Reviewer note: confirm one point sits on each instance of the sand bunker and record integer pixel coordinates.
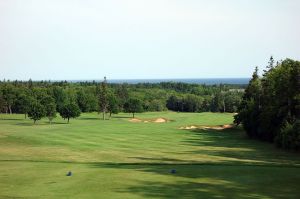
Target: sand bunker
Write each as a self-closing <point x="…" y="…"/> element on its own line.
<point x="135" y="120"/>
<point x="160" y="120"/>
<point x="155" y="120"/>
<point x="189" y="127"/>
<point x="220" y="127"/>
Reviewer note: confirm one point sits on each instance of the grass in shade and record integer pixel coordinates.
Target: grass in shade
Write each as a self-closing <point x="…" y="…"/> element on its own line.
<point x="121" y="159"/>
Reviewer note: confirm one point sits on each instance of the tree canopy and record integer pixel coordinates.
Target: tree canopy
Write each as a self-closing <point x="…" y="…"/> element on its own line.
<point x="69" y="110"/>
<point x="133" y="106"/>
<point x="36" y="111"/>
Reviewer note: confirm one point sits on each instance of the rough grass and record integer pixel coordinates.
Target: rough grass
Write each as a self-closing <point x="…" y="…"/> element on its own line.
<point x="120" y="159"/>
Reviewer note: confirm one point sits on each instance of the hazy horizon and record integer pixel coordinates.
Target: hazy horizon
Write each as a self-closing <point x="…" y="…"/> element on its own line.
<point x="136" y="39"/>
<point x="116" y="79"/>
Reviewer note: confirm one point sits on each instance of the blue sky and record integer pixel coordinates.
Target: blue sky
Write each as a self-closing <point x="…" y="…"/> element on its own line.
<point x="129" y="39"/>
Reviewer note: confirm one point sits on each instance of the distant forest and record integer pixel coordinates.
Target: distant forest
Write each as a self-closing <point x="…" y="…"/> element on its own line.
<point x="18" y="96"/>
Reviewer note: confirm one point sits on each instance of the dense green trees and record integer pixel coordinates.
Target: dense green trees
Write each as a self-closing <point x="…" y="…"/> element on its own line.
<point x="60" y="96"/>
<point x="23" y="97"/>
<point x="155" y="105"/>
<point x="113" y="104"/>
<point x="9" y="95"/>
<point x="270" y="108"/>
<point x="104" y="97"/>
<point x="50" y="111"/>
<point x="2" y="104"/>
<point x="23" y="103"/>
<point x="86" y="100"/>
<point x="222" y="101"/>
<point x="122" y="95"/>
<point x="185" y="103"/>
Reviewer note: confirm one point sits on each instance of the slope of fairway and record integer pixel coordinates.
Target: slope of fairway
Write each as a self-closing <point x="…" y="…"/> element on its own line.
<point x="117" y="158"/>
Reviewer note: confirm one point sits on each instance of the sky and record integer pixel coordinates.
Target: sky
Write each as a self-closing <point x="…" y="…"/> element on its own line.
<point x="138" y="39"/>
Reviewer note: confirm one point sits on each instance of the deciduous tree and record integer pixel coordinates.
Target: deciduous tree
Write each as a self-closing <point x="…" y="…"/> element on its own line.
<point x="133" y="106"/>
<point x="70" y="110"/>
<point x="36" y="111"/>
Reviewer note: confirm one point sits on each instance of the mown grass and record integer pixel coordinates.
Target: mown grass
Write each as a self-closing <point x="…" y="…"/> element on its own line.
<point x="119" y="159"/>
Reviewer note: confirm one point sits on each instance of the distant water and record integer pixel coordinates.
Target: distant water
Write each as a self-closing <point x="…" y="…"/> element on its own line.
<point x="207" y="81"/>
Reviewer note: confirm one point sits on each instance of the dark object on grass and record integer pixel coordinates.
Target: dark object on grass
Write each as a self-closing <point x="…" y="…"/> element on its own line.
<point x="69" y="173"/>
<point x="173" y="171"/>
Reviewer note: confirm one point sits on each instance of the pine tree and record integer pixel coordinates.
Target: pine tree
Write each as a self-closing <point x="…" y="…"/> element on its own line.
<point x="250" y="106"/>
<point x="102" y="98"/>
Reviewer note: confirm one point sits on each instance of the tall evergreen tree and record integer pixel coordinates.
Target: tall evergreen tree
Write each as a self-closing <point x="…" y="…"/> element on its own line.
<point x="250" y="106"/>
<point x="102" y="97"/>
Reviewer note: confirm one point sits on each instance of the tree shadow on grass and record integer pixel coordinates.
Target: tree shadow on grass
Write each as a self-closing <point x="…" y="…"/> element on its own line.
<point x="118" y="116"/>
<point x="13" y="119"/>
<point x="199" y="180"/>
<point x="248" y="169"/>
<point x="40" y="124"/>
<point x="194" y="180"/>
<point x="90" y="118"/>
<point x="178" y="189"/>
<point x="233" y="143"/>
<point x="162" y="160"/>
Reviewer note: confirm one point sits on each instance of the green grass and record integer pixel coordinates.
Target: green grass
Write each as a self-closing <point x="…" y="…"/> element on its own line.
<point x="119" y="159"/>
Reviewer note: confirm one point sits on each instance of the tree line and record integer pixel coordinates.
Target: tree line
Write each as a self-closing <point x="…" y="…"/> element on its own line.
<point x="270" y="107"/>
<point x="38" y="99"/>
